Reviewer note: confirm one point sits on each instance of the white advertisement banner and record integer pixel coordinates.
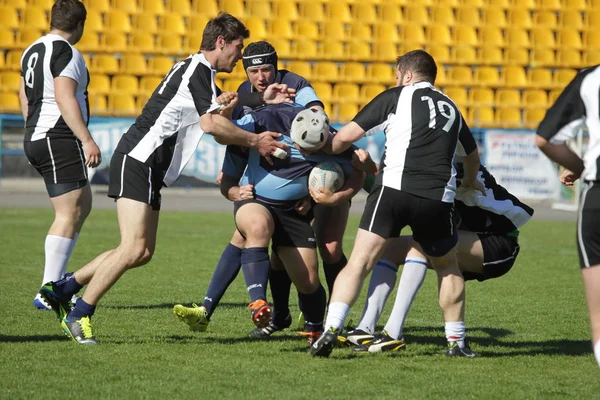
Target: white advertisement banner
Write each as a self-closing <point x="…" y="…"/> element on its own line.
<point x="518" y="165"/>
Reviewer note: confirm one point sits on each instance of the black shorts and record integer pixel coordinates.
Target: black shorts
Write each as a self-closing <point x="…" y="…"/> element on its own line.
<point x="58" y="160"/>
<point x="132" y="179"/>
<point x="588" y="226"/>
<point x="389" y="210"/>
<point x="291" y="228"/>
<point x="499" y="255"/>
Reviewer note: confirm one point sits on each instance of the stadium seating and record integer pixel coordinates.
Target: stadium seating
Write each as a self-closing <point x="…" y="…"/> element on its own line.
<point x="99" y="84"/>
<point x="121" y="104"/>
<point x="9" y="103"/>
<point x="8" y="17"/>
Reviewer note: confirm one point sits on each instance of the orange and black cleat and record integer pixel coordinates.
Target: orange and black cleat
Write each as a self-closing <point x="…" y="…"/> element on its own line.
<point x="261" y="313"/>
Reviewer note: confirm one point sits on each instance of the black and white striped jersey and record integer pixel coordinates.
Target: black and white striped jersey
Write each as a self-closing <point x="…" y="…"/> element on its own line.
<point x="497" y="212"/>
<point x="167" y="132"/>
<point x="577" y="106"/>
<point x="424" y="129"/>
<point x="49" y="57"/>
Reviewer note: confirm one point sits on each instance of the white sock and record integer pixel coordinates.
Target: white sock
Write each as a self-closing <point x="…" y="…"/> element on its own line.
<point x="597" y="351"/>
<point x="455" y="332"/>
<point x="381" y="285"/>
<point x="413" y="275"/>
<point x="58" y="249"/>
<point x="336" y="315"/>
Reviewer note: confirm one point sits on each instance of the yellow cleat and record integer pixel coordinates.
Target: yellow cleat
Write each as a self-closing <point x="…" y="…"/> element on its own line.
<point x="195" y="317"/>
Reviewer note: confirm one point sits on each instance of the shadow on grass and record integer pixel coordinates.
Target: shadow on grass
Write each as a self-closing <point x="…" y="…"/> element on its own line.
<point x="168" y="306"/>
<point x="35" y="338"/>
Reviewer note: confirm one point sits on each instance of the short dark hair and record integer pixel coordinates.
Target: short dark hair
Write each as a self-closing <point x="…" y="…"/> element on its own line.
<point x="225" y="25"/>
<point x="67" y="14"/>
<point x="418" y="62"/>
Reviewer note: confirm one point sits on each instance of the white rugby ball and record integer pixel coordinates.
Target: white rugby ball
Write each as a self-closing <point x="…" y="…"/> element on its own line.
<point x="328" y="175"/>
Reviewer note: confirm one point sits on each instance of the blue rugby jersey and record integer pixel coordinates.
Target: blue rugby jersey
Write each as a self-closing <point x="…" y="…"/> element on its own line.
<point x="285" y="182"/>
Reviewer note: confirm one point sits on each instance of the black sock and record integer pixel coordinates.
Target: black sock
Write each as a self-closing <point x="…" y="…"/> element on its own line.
<point x="67" y="286"/>
<point x="332" y="270"/>
<point x="255" y="266"/>
<point x="82" y="309"/>
<point x="313" y="307"/>
<point x="281" y="284"/>
<point x="227" y="269"/>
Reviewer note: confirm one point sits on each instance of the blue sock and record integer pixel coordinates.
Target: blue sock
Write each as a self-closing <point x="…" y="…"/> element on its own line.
<point x="256" y="265"/>
<point x="67" y="286"/>
<point x="280" y="284"/>
<point x="313" y="307"/>
<point x="82" y="309"/>
<point x="332" y="270"/>
<point x="227" y="269"/>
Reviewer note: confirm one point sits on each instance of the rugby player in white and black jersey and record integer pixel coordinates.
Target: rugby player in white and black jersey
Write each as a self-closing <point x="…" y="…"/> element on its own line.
<point x="578" y="106"/>
<point x="57" y="143"/>
<point x="424" y="129"/>
<point x="151" y="155"/>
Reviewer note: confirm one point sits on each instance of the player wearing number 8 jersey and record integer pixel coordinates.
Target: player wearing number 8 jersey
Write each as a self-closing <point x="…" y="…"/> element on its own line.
<point x="53" y="93"/>
<point x="416" y="187"/>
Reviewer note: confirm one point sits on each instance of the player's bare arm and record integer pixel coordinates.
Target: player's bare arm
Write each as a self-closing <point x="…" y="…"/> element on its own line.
<point x="471" y="164"/>
<point x="362" y="161"/>
<point x="342" y="140"/>
<point x="65" y="89"/>
<point x="352" y="185"/>
<point x="561" y="154"/>
<point x="229" y="100"/>
<point x="231" y="190"/>
<point x="23" y="99"/>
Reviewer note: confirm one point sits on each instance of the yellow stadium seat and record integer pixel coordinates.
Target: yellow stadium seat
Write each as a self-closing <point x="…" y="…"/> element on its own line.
<point x="115" y="42"/>
<point x="514" y="76"/>
<point x="93" y="22"/>
<point x="441" y="78"/>
<point x="127" y="6"/>
<point x="170" y="44"/>
<point x="416" y="13"/>
<point x="173" y="23"/>
<point x="465" y="35"/>
<point x="553" y="5"/>
<point x="494" y="16"/>
<point x="360" y="30"/>
<point x="593" y="4"/>
<point x="578" y="5"/>
<point x="413" y="34"/>
<point x="448" y="3"/>
<point x="353" y="72"/>
<point x="381" y="73"/>
<point x="323" y="90"/>
<point x="465" y="55"/>
<point x="535" y="98"/>
<point x="519" y="18"/>
<point x="282" y="28"/>
<point x="385" y="51"/>
<point x="7" y="39"/>
<point x="18" y="4"/>
<point x="481" y="117"/>
<point x="26" y="36"/>
<point x="359" y="51"/>
<point x="542" y="57"/>
<point x="346" y="93"/>
<point x="468" y="16"/>
<point x="192" y="43"/>
<point x="571" y="19"/>
<point x="542" y="37"/>
<point x="307" y="30"/>
<point x="509" y="117"/>
<point x="481" y="97"/>
<point x="90" y="41"/>
<point x="160" y="65"/>
<point x="326" y="71"/>
<point x="13" y="60"/>
<point x="365" y="13"/>
<point x="487" y="76"/>
<point x="347" y="112"/>
<point x="490" y="56"/>
<point x="545" y="18"/>
<point x="125" y="84"/>
<point x="118" y="21"/>
<point x="440" y="53"/>
<point x="196" y="24"/>
<point x="506" y="98"/>
<point x="282" y="46"/>
<point x="387" y="31"/>
<point x="458" y="95"/>
<point x="474" y="3"/>
<point x="333" y="49"/>
<point x="443" y="15"/>
<point x="257" y="27"/>
<point x="259" y="9"/>
<point x="232" y="85"/>
<point x="591" y="57"/>
<point x="205" y="7"/>
<point x="8" y="17"/>
<point x="301" y="68"/>
<point x="146" y="23"/>
<point x="525" y="4"/>
<point x="592" y="39"/>
<point x="369" y="91"/>
<point x="517" y="37"/>
<point x="313" y="11"/>
<point x="516" y="56"/>
<point x="3" y="63"/>
<point x="569" y="58"/>
<point x="554" y="94"/>
<point x="99" y="84"/>
<point x="10" y="81"/>
<point x="391" y="13"/>
<point x="149" y="83"/>
<point x="98" y="6"/>
<point x="334" y="30"/>
<point x="533" y="117"/>
<point x="569" y="39"/>
<point x="34" y="18"/>
<point x="491" y="36"/>
<point x="339" y="11"/>
<point x="153" y="6"/>
<point x="499" y="3"/>
<point x="305" y="49"/>
<point x="562" y="77"/>
<point x="439" y="34"/>
<point x="461" y="75"/>
<point x="134" y="64"/>
<point x="540" y="77"/>
<point x="121" y="104"/>
<point x="287" y="10"/>
<point x="9" y="103"/>
<point x="98" y="104"/>
<point x="181" y="7"/>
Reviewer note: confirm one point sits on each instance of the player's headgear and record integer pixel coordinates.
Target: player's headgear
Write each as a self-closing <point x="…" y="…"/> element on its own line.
<point x="310" y="129"/>
<point x="258" y="54"/>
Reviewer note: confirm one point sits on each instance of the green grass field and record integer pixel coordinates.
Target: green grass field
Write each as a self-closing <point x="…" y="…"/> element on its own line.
<point x="530" y="327"/>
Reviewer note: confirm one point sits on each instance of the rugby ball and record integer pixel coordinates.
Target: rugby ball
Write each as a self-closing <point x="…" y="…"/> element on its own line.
<point x="328" y="175"/>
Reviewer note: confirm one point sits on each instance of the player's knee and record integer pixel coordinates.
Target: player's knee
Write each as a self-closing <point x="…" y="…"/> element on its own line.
<point x="138" y="255"/>
<point x="259" y="230"/>
<point x="331" y="252"/>
<point x="309" y="285"/>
